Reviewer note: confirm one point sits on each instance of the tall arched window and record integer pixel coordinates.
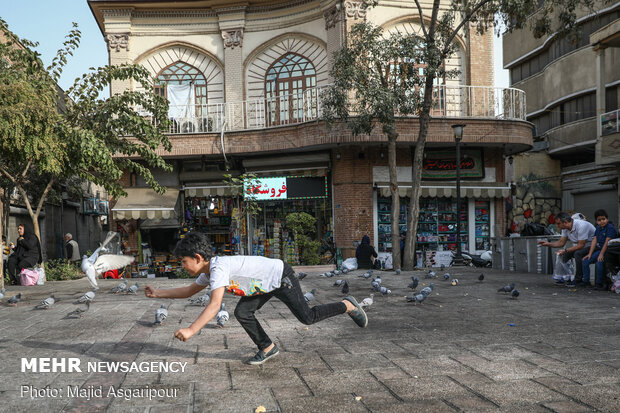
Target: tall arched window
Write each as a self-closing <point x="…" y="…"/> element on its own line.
<point x="285" y="83"/>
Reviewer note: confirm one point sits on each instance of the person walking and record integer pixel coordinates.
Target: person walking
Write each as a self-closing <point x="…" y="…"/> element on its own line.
<point x="27" y="254"/>
<point x="72" y="249"/>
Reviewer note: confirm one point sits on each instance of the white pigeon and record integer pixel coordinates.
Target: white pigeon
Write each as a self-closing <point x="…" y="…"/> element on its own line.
<point x="222" y="316"/>
<point x="86" y="298"/>
<point x="133" y="289"/>
<point x="203" y="300"/>
<point x="309" y="296"/>
<point x="47" y="303"/>
<point x="161" y="314"/>
<point x="121" y="287"/>
<point x="367" y="302"/>
<point x="2" y="293"/>
<point x="96" y="265"/>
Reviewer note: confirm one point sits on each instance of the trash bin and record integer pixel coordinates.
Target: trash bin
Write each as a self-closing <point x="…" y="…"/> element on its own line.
<point x="523" y="254"/>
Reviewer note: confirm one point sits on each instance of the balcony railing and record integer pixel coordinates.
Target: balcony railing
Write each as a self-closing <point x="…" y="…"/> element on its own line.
<point x="479" y="102"/>
<point x="609" y="122"/>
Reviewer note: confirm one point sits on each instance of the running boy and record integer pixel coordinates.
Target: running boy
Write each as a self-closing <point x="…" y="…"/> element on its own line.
<point x="603" y="233"/>
<point x="256" y="280"/>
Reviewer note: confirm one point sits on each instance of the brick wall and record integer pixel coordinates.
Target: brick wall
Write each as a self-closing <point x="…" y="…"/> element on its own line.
<point x="480" y="55"/>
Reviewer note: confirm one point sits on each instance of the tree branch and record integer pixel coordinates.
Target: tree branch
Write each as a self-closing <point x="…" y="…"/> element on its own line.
<point x="26" y="169"/>
<point x="44" y="194"/>
<point x="7" y="174"/>
<point x="421" y="14"/>
<point x="460" y="26"/>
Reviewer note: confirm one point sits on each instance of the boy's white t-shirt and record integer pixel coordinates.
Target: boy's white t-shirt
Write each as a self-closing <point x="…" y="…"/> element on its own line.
<point x="243" y="275"/>
<point x="582" y="230"/>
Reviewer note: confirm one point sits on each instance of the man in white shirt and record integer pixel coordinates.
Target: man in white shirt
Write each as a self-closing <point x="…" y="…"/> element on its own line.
<point x="256" y="280"/>
<point x="580" y="233"/>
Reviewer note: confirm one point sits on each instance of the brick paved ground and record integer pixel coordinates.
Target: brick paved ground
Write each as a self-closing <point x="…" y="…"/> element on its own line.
<point x="468" y="348"/>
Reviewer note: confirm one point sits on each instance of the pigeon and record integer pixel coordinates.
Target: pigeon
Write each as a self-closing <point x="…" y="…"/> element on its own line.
<point x="446" y="276"/>
<point x="47" y="303"/>
<point x="338" y="282"/>
<point x="336" y="272"/>
<point x="367" y="274"/>
<point x="121" y="287"/>
<point x="2" y="293"/>
<point x="384" y="291"/>
<point x="367" y="302"/>
<point x="345" y="270"/>
<point x="515" y="293"/>
<point x="455" y="281"/>
<point x="431" y="274"/>
<point x="15" y="299"/>
<point x="309" y="296"/>
<point x="95" y="264"/>
<point x="427" y="290"/>
<point x="376" y="284"/>
<point x="398" y="271"/>
<point x="203" y="300"/>
<point x="89" y="296"/>
<point x="301" y="275"/>
<point x="443" y="267"/>
<point x="418" y="298"/>
<point x="79" y="312"/>
<point x="222" y="316"/>
<point x="414" y="283"/>
<point x="481" y="277"/>
<point x="507" y="288"/>
<point x="330" y="274"/>
<point x="345" y="288"/>
<point x="161" y="314"/>
<point x="133" y="289"/>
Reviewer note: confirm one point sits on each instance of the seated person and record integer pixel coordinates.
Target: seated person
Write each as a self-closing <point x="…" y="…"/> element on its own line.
<point x="604" y="232"/>
<point x="364" y="253"/>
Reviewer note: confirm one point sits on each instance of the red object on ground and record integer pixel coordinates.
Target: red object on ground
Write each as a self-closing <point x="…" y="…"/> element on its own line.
<point x="527" y="213"/>
<point x="112" y="274"/>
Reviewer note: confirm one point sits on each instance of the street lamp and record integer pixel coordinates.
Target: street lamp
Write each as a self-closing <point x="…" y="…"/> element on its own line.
<point x="458" y="135"/>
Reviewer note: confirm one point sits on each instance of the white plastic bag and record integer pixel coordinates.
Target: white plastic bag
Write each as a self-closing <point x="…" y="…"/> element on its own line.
<point x="563" y="270"/>
<point x="41" y="272"/>
<point x="350" y="264"/>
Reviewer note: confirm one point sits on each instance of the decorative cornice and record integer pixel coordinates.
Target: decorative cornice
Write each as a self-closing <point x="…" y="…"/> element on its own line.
<point x="232" y="38"/>
<point x="116" y="13"/>
<point x="355" y="9"/>
<point x="164" y="14"/>
<point x="117" y="41"/>
<point x="332" y="16"/>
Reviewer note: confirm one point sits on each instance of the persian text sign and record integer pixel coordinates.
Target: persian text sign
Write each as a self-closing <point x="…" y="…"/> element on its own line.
<point x="442" y="164"/>
<point x="266" y="189"/>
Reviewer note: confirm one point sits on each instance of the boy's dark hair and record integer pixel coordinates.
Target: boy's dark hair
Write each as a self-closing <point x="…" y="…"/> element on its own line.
<point x="193" y="243"/>
<point x="563" y="217"/>
<point x="600" y="213"/>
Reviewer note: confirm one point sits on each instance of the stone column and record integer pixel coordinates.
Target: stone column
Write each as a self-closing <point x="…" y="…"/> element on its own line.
<point x="600" y="88"/>
<point x="117" y="34"/>
<point x="334" y="25"/>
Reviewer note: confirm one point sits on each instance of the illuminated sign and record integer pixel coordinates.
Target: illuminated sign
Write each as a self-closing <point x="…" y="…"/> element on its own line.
<point x="286" y="187"/>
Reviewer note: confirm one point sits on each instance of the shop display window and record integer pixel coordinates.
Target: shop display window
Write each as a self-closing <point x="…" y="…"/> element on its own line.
<point x="483" y="239"/>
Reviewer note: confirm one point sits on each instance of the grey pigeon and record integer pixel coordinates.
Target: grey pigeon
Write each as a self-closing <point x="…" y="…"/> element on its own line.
<point x="338" y="282"/>
<point x="443" y="267"/>
<point x="133" y="289"/>
<point x="367" y="274"/>
<point x="427" y="290"/>
<point x="222" y="316"/>
<point x="367" y="302"/>
<point x="431" y="274"/>
<point x="79" y="312"/>
<point x="481" y="277"/>
<point x="376" y="284"/>
<point x="301" y="275"/>
<point x="47" y="303"/>
<point x="515" y="293"/>
<point x="336" y="272"/>
<point x="345" y="270"/>
<point x="414" y="283"/>
<point x="384" y="291"/>
<point x="89" y="296"/>
<point x="345" y="288"/>
<point x="2" y="293"/>
<point x="15" y="299"/>
<point x="121" y="287"/>
<point x="161" y="314"/>
<point x="398" y="271"/>
<point x="330" y="274"/>
<point x="309" y="296"/>
<point x="418" y="298"/>
<point x="507" y="288"/>
<point x="203" y="300"/>
<point x="446" y="276"/>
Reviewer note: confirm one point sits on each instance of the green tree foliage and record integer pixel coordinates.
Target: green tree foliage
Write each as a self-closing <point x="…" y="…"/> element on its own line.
<point x="374" y="84"/>
<point x="303" y="225"/>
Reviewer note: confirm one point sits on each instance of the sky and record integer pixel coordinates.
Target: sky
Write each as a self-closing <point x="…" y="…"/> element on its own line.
<point x="49" y="21"/>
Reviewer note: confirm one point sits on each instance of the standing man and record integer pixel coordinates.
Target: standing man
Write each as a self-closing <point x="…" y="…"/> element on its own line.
<point x="27" y="254"/>
<point x="580" y="233"/>
<point x="72" y="249"/>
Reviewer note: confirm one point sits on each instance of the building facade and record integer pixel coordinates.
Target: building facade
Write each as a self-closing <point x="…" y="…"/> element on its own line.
<point x="244" y="85"/>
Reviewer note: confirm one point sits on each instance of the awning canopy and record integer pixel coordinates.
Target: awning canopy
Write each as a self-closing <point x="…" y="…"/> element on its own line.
<point x="160" y="223"/>
<point x="448" y="189"/>
<point x="144" y="203"/>
<point x="209" y="190"/>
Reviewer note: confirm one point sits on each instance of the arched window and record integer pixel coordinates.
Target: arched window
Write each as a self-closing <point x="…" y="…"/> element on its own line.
<point x="285" y="83"/>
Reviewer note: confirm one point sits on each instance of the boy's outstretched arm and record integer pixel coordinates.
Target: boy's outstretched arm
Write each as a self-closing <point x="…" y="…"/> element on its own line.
<point x="207" y="315"/>
<point x="179" y="292"/>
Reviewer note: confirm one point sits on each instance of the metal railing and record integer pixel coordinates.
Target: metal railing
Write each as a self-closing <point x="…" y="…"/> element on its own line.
<point x="479" y="102"/>
<point x="609" y="122"/>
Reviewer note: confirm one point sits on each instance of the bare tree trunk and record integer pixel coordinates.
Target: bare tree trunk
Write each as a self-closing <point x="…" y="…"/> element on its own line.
<point x="392" y="136"/>
<point x="1" y="249"/>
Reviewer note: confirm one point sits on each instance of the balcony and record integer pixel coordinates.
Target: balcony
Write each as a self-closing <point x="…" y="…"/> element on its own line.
<point x="609" y="122"/>
<point x="474" y="102"/>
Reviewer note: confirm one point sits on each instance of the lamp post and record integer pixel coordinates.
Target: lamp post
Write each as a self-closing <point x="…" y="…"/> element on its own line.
<point x="458" y="135"/>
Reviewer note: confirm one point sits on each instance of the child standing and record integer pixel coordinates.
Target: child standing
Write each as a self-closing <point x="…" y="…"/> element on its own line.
<point x="256" y="280"/>
<point x="603" y="233"/>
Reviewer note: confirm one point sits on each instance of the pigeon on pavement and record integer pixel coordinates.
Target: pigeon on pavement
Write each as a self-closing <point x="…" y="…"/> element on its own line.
<point x="121" y="287"/>
<point x="309" y="296"/>
<point x="2" y="293"/>
<point x="133" y="289"/>
<point x="161" y="314"/>
<point x="345" y="288"/>
<point x="384" y="290"/>
<point x="89" y="296"/>
<point x="79" y="312"/>
<point x="427" y="290"/>
<point x="443" y="267"/>
<point x="418" y="298"/>
<point x="47" y="303"/>
<point x="338" y="282"/>
<point x="455" y="281"/>
<point x="222" y="316"/>
<point x="367" y="302"/>
<point x="345" y="270"/>
<point x="431" y="274"/>
<point x="15" y="299"/>
<point x="301" y="275"/>
<point x="446" y="276"/>
<point x="507" y="288"/>
<point x="414" y="283"/>
<point x="515" y="293"/>
<point x="203" y="300"/>
<point x="367" y="274"/>
<point x="481" y="277"/>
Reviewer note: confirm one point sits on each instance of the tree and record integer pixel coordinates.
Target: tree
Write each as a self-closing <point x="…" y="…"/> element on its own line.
<point x="47" y="133"/>
<point x="373" y="99"/>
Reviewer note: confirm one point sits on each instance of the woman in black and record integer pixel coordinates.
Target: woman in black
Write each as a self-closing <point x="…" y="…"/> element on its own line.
<point x="364" y="253"/>
<point x="27" y="254"/>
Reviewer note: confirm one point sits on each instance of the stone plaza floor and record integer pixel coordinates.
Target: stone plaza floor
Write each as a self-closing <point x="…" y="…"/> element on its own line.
<point x="468" y="348"/>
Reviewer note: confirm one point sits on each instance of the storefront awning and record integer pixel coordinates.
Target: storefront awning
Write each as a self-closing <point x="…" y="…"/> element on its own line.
<point x="159" y="223"/>
<point x="215" y="190"/>
<point x="448" y="189"/>
<point x="144" y="203"/>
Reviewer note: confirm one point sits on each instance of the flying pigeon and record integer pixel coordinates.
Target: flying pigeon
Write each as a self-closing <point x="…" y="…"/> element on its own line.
<point x="121" y="287"/>
<point x="427" y="290"/>
<point x="345" y="288"/>
<point x="338" y="282"/>
<point x="507" y="288"/>
<point x="418" y="298"/>
<point x="133" y="289"/>
<point x="431" y="274"/>
<point x="309" y="296"/>
<point x="222" y="316"/>
<point x="15" y="299"/>
<point x="384" y="291"/>
<point x="481" y="277"/>
<point x="2" y="293"/>
<point x="203" y="300"/>
<point x="95" y="264"/>
<point x="414" y="283"/>
<point x="301" y="275"/>
<point x="161" y="314"/>
<point x="367" y="274"/>
<point x="47" y="303"/>
<point x="446" y="276"/>
<point x="79" y="312"/>
<point x="367" y="302"/>
<point x="89" y="296"/>
<point x="515" y="293"/>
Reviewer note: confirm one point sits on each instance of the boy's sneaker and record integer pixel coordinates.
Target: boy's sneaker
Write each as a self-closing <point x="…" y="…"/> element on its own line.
<point x="261" y="357"/>
<point x="571" y="284"/>
<point x="358" y="315"/>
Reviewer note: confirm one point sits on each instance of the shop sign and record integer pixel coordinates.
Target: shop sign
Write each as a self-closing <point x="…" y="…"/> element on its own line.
<point x="442" y="164"/>
<point x="287" y="187"/>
